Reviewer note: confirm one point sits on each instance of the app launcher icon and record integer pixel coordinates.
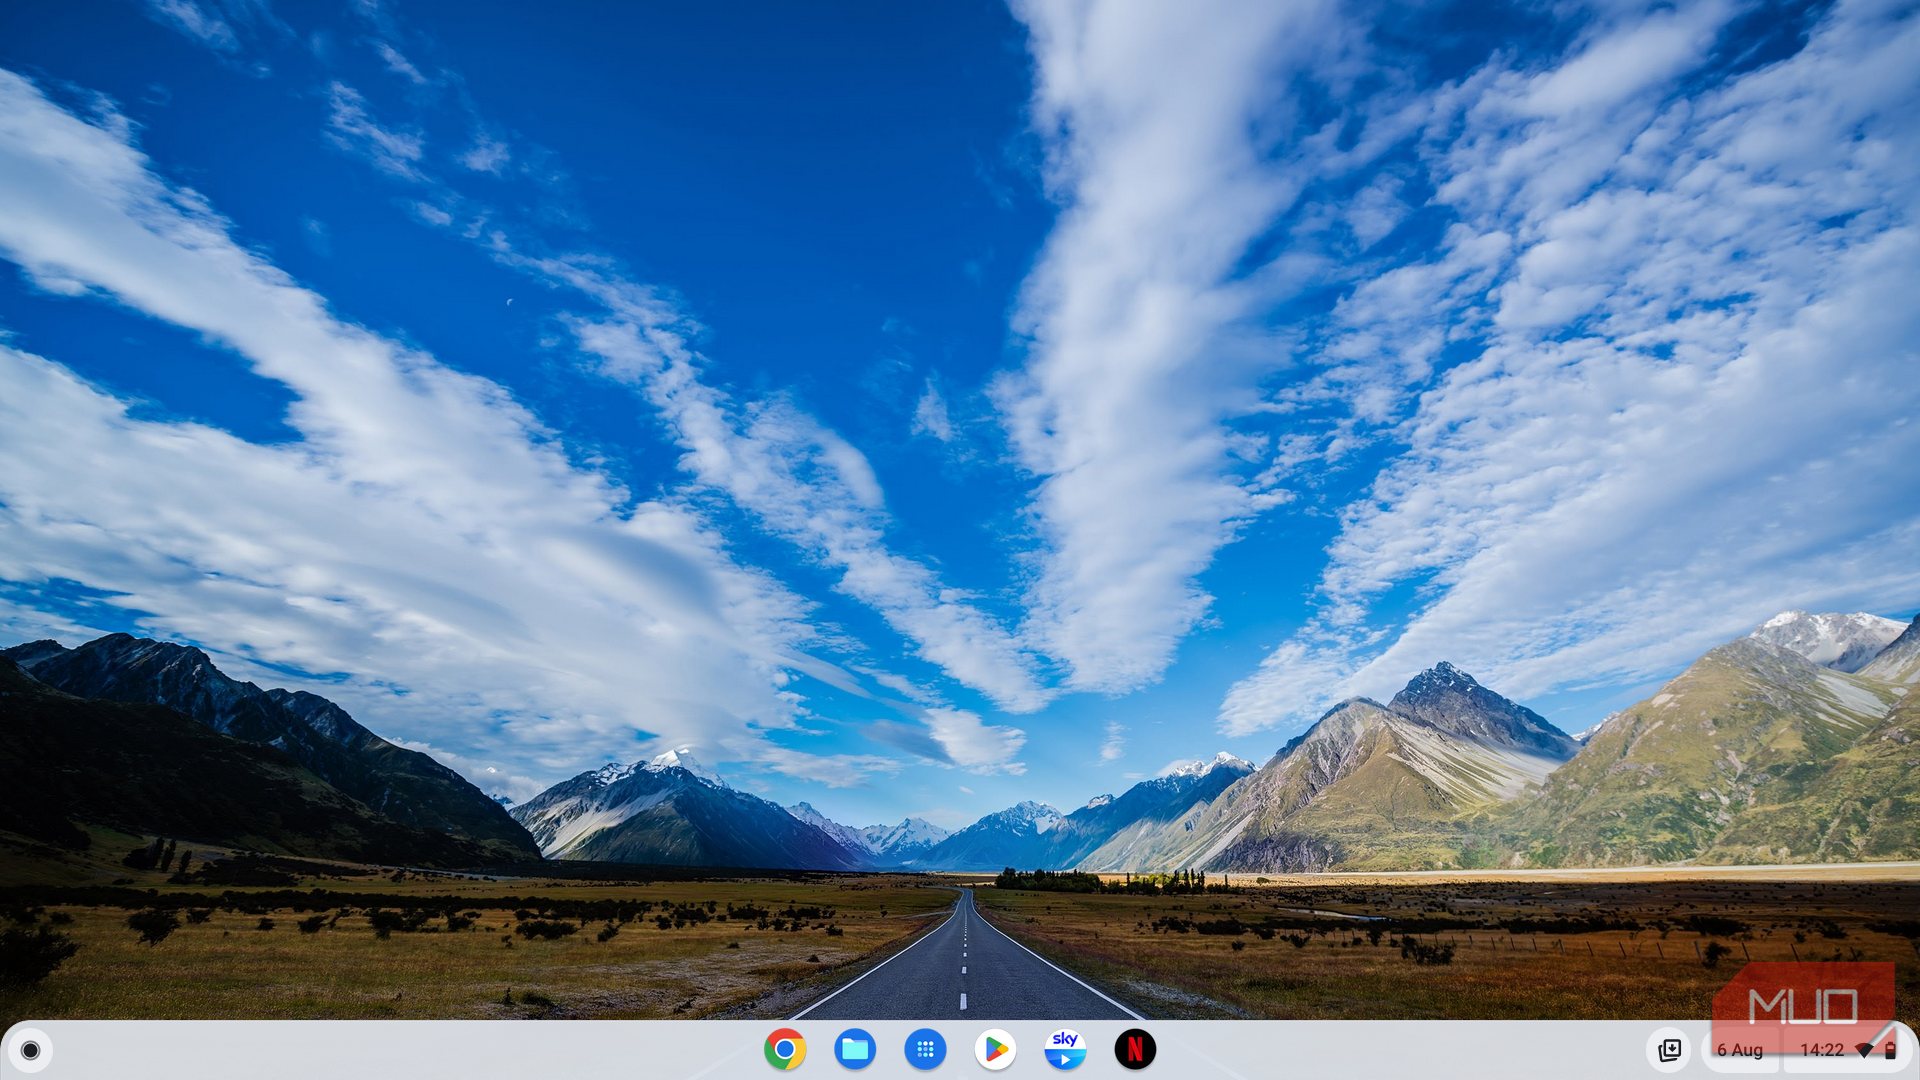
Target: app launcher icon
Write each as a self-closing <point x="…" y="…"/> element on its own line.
<point x="994" y="1049"/>
<point x="926" y="1049"/>
<point x="854" y="1048"/>
<point x="786" y="1049"/>
<point x="1065" y="1049"/>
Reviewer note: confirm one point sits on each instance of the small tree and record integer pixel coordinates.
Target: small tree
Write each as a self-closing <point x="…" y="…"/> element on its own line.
<point x="153" y="925"/>
<point x="28" y="956"/>
<point x="166" y="858"/>
<point x="186" y="862"/>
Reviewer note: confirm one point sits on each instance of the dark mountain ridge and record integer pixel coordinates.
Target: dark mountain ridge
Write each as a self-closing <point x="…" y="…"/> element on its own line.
<point x="405" y="785"/>
<point x="67" y="761"/>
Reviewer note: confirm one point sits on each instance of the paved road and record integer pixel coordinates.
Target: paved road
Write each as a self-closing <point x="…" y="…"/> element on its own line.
<point x="966" y="969"/>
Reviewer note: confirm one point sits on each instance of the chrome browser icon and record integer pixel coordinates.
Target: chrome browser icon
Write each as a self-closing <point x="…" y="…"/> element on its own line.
<point x="786" y="1049"/>
<point x="1065" y="1049"/>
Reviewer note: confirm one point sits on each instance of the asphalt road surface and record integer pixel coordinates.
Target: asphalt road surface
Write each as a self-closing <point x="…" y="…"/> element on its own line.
<point x="966" y="969"/>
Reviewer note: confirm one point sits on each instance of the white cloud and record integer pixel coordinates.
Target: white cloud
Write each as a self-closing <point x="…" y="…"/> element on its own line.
<point x="1159" y="123"/>
<point x="930" y="415"/>
<point x="488" y="154"/>
<point x="1692" y="403"/>
<point x="1114" y="747"/>
<point x="363" y="545"/>
<point x="805" y="483"/>
<point x="971" y="744"/>
<point x="196" y="22"/>
<point x="352" y="128"/>
<point x="399" y="64"/>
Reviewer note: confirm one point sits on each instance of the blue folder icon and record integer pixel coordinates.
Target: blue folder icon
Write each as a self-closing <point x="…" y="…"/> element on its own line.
<point x="856" y="1049"/>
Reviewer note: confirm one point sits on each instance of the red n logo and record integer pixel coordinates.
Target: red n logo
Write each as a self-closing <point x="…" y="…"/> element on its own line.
<point x="1136" y="1049"/>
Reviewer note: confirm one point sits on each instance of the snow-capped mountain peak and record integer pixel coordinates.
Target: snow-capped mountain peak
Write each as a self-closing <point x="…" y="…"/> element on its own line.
<point x="682" y="758"/>
<point x="1843" y="641"/>
<point x="1202" y="768"/>
<point x="612" y="773"/>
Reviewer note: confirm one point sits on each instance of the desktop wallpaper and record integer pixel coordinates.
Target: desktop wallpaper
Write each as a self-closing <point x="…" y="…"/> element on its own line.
<point x="573" y="510"/>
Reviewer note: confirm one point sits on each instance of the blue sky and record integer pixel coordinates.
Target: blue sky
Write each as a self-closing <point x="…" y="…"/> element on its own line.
<point x="919" y="408"/>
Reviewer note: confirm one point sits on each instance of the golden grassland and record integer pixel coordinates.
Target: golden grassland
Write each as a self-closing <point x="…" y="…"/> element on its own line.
<point x="1334" y="970"/>
<point x="227" y="967"/>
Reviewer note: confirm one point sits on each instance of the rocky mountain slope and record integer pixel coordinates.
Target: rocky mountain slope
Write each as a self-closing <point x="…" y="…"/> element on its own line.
<point x="1843" y="641"/>
<point x="884" y="845"/>
<point x="668" y="811"/>
<point x="1011" y="837"/>
<point x="404" y="785"/>
<point x="1369" y="785"/>
<point x="67" y="761"/>
<point x="1899" y="662"/>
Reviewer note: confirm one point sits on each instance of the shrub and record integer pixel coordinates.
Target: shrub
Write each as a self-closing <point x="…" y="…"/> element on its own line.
<point x="311" y="924"/>
<point x="265" y="924"/>
<point x="153" y="925"/>
<point x="607" y="933"/>
<point x="1710" y="957"/>
<point x="1425" y="954"/>
<point x="543" y="928"/>
<point x="196" y="916"/>
<point x="28" y="956"/>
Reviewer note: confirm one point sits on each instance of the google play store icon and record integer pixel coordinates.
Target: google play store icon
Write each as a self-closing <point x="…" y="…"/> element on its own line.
<point x="994" y="1049"/>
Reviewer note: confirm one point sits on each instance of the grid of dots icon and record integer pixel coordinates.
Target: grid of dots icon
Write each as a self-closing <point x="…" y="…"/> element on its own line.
<point x="923" y="1049"/>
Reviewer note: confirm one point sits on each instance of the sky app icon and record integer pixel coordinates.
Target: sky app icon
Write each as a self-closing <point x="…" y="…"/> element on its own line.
<point x="854" y="1048"/>
<point x="1065" y="1049"/>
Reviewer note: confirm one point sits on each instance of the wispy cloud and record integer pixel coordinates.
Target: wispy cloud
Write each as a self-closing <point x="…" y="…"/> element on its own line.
<point x="1158" y="122"/>
<point x="399" y="64"/>
<point x="1690" y="400"/>
<point x="1114" y="747"/>
<point x="353" y="129"/>
<point x="930" y="415"/>
<point x="425" y="533"/>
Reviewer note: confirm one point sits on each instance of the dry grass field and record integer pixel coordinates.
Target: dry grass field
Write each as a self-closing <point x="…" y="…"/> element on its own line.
<point x="1575" y="945"/>
<point x="1561" y="944"/>
<point x="791" y="934"/>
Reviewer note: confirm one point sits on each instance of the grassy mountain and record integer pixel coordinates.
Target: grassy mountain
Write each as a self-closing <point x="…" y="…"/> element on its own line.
<point x="669" y="812"/>
<point x="1749" y="729"/>
<point x="1371" y="786"/>
<point x="404" y="785"/>
<point x="147" y="769"/>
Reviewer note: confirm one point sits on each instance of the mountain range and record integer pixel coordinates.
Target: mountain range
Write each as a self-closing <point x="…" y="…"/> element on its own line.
<point x="1793" y="744"/>
<point x="402" y="786"/>
<point x="68" y="762"/>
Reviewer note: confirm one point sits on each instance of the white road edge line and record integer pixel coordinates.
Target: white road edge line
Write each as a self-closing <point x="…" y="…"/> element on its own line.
<point x="883" y="963"/>
<point x="1055" y="966"/>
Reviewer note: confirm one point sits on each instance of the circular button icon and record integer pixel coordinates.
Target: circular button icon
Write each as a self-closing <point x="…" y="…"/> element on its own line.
<point x="1135" y="1049"/>
<point x="926" y="1049"/>
<point x="786" y="1049"/>
<point x="1669" y="1050"/>
<point x="29" y="1050"/>
<point x="854" y="1048"/>
<point x="994" y="1049"/>
<point x="1065" y="1049"/>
